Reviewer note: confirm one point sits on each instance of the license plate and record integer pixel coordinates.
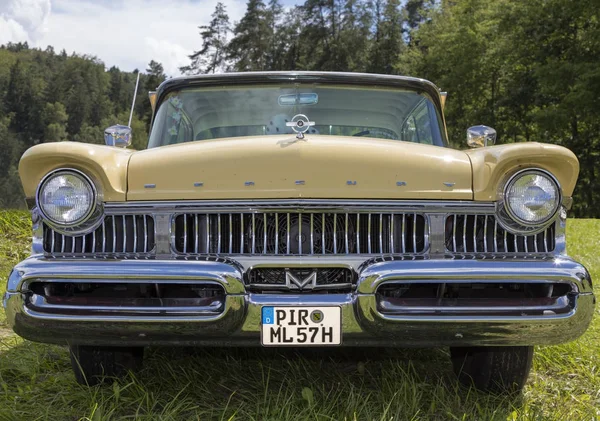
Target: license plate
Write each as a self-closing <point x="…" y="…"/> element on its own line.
<point x="301" y="326"/>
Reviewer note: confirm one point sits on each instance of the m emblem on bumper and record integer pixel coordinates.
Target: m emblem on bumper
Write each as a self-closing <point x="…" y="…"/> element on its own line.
<point x="294" y="282"/>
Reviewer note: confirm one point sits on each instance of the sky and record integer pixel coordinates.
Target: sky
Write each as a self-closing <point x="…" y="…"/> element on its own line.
<point x="123" y="33"/>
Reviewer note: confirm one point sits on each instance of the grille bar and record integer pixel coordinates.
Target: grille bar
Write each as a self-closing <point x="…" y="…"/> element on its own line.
<point x="294" y="233"/>
<point x="473" y="234"/>
<point x="117" y="234"/>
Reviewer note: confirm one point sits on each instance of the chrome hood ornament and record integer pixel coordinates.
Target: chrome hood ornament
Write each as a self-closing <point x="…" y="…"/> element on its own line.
<point x="300" y="125"/>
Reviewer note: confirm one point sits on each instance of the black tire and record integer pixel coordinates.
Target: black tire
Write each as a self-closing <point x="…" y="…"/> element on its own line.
<point x="91" y="364"/>
<point x="498" y="369"/>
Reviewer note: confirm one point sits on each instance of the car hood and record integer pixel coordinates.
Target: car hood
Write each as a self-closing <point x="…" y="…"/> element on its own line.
<point x="285" y="167"/>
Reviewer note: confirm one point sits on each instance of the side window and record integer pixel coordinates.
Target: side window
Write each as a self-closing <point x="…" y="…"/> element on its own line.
<point x="417" y="127"/>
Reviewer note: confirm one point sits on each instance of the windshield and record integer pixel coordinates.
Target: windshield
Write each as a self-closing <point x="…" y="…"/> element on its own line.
<point x="196" y="114"/>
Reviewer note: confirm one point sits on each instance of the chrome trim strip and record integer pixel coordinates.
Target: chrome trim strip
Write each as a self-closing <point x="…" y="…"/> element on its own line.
<point x="305" y="205"/>
<point x="114" y="234"/>
<point x="323" y="233"/>
<point x="392" y="233"/>
<point x="103" y="236"/>
<point x="485" y="236"/>
<point x="312" y="229"/>
<point x="369" y="234"/>
<point x="381" y="233"/>
<point x="230" y="233"/>
<point x="403" y="233"/>
<point x="346" y="234"/>
<point x="454" y="234"/>
<point x="124" y="234"/>
<point x="185" y="233"/>
<point x="208" y="234"/>
<point x="40" y="303"/>
<point x="265" y="233"/>
<point x="387" y="307"/>
<point x="358" y="234"/>
<point x="465" y="235"/>
<point x="253" y="234"/>
<point x="134" y="234"/>
<point x="219" y="233"/>
<point x="495" y="237"/>
<point x="300" y="222"/>
<point x="196" y="232"/>
<point x="276" y="233"/>
<point x="288" y="233"/>
<point x="475" y="234"/>
<point x="414" y="233"/>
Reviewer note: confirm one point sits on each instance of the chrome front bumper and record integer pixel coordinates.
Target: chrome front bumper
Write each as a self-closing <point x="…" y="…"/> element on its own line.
<point x="237" y="323"/>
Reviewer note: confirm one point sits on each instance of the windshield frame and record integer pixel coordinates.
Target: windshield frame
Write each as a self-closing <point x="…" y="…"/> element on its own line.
<point x="420" y="86"/>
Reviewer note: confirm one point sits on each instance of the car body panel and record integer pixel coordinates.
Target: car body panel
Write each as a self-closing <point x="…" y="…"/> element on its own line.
<point x="323" y="166"/>
<point x="105" y="165"/>
<point x="286" y="167"/>
<point x="491" y="166"/>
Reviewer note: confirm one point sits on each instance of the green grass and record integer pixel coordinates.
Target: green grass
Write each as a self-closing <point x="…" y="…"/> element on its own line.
<point x="258" y="384"/>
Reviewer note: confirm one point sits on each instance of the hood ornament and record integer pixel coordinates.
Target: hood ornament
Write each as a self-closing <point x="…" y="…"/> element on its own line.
<point x="300" y="125"/>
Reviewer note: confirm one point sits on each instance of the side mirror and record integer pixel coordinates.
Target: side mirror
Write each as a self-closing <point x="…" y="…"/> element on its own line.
<point x="118" y="135"/>
<point x="480" y="136"/>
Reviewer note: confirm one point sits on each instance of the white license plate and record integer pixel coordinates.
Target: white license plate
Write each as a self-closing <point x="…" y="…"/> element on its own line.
<point x="301" y="326"/>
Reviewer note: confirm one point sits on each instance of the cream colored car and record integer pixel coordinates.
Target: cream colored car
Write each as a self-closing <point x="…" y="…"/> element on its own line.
<point x="300" y="209"/>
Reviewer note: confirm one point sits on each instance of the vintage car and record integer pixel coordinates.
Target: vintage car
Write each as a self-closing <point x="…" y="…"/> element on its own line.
<point x="291" y="209"/>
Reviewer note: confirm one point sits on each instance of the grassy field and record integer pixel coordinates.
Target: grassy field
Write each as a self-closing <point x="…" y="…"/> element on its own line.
<point x="189" y="384"/>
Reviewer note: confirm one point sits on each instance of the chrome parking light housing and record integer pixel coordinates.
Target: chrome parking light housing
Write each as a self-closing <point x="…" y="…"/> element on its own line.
<point x="77" y="209"/>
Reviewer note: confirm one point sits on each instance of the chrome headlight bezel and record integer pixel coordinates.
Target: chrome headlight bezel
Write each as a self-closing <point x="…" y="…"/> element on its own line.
<point x="91" y="219"/>
<point x="509" y="220"/>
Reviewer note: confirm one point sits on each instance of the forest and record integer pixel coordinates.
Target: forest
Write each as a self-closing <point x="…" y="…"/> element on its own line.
<point x="528" y="68"/>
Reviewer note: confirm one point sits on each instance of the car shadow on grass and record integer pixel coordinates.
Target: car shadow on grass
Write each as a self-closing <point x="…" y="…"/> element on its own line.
<point x="255" y="383"/>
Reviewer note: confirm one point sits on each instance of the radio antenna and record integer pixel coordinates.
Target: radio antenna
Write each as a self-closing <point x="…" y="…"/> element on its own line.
<point x="134" y="96"/>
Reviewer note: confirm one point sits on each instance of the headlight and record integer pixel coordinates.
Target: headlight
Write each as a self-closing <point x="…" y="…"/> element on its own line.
<point x="532" y="198"/>
<point x="66" y="198"/>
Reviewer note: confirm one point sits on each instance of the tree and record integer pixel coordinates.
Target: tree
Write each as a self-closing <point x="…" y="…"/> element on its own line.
<point x="320" y="35"/>
<point x="354" y="38"/>
<point x="23" y="100"/>
<point x="155" y="75"/>
<point x="389" y="44"/>
<point x="277" y="44"/>
<point x="248" y="48"/>
<point x="416" y="12"/>
<point x="55" y="119"/>
<point x="211" y="58"/>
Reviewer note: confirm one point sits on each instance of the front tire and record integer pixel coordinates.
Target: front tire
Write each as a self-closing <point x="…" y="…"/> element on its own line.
<point x="498" y="369"/>
<point x="91" y="364"/>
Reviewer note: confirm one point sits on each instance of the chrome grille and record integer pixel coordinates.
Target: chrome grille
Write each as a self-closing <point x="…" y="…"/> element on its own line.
<point x="276" y="276"/>
<point x="117" y="234"/>
<point x="483" y="234"/>
<point x="286" y="233"/>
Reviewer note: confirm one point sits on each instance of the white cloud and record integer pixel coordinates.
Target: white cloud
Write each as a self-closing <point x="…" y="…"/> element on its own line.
<point x="22" y="20"/>
<point x="171" y="55"/>
<point x="124" y="33"/>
